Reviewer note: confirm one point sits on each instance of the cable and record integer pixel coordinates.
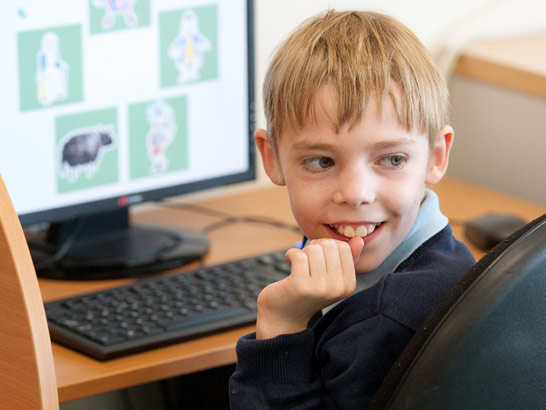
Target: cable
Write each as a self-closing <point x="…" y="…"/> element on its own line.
<point x="250" y="219"/>
<point x="228" y="219"/>
<point x="197" y="209"/>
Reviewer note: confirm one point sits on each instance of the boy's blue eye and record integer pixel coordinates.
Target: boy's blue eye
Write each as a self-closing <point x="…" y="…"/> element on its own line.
<point x="319" y="162"/>
<point x="325" y="162"/>
<point x="393" y="161"/>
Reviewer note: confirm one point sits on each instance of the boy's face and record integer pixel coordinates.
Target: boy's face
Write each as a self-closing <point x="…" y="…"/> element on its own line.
<point x="370" y="177"/>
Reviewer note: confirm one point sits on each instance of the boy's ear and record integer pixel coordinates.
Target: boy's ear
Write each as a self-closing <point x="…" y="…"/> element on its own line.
<point x="439" y="157"/>
<point x="269" y="159"/>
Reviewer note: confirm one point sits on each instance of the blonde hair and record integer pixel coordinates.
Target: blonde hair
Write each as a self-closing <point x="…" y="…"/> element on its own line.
<point x="359" y="53"/>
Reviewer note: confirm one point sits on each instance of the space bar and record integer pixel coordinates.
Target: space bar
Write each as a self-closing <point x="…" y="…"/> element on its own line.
<point x="201" y="320"/>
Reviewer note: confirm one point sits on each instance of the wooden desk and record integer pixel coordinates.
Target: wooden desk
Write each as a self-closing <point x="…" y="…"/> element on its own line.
<point x="517" y="63"/>
<point x="79" y="376"/>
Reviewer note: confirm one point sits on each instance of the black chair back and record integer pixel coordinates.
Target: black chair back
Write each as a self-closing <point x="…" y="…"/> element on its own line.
<point x="484" y="347"/>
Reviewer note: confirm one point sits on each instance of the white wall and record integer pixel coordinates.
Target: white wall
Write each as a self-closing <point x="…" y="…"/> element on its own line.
<point x="443" y="26"/>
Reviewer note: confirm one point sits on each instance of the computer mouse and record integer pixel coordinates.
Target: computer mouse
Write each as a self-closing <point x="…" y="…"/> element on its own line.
<point x="488" y="230"/>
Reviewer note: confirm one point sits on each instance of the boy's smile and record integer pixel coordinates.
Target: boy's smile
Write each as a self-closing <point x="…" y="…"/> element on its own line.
<point x="367" y="180"/>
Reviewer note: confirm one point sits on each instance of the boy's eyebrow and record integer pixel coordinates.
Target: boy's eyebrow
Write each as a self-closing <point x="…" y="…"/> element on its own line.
<point x="310" y="146"/>
<point x="379" y="145"/>
<point x="386" y="144"/>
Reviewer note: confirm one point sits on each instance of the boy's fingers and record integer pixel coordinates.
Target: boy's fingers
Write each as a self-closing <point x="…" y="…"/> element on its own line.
<point x="317" y="259"/>
<point x="289" y="255"/>
<point x="348" y="267"/>
<point x="298" y="260"/>
<point x="333" y="251"/>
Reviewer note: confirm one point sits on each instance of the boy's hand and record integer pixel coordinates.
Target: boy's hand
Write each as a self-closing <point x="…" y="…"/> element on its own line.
<point x="322" y="273"/>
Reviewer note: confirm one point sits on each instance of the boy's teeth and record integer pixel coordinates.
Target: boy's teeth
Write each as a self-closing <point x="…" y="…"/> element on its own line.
<point x="361" y="231"/>
<point x="348" y="231"/>
<point x="351" y="232"/>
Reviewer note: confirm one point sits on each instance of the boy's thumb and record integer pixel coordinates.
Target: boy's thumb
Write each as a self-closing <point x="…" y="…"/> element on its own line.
<point x="356" y="244"/>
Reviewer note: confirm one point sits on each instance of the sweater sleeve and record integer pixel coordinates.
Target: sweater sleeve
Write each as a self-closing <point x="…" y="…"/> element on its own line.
<point x="354" y="362"/>
<point x="276" y="373"/>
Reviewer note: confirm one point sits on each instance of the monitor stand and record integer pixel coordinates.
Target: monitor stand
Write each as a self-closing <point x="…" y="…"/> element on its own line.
<point x="107" y="246"/>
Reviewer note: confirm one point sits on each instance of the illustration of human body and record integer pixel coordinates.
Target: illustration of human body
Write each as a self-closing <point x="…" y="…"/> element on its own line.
<point x="161" y="118"/>
<point x="52" y="71"/>
<point x="188" y="48"/>
<point x="115" y="8"/>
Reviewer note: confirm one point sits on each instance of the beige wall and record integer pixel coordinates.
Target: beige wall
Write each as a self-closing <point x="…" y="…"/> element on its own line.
<point x="500" y="139"/>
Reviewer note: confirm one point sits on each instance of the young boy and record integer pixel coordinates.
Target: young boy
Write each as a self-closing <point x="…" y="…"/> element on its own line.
<point x="356" y="114"/>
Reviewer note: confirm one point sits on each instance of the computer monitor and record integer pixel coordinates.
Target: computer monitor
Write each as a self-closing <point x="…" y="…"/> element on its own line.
<point x="107" y="104"/>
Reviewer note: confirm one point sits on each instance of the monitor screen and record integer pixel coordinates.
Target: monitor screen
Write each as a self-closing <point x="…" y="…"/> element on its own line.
<point x="106" y="104"/>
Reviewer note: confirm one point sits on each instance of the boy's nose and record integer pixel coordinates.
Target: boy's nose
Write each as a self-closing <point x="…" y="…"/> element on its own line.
<point x="355" y="188"/>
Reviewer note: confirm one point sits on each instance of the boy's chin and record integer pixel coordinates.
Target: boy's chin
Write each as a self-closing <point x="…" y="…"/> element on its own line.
<point x="366" y="265"/>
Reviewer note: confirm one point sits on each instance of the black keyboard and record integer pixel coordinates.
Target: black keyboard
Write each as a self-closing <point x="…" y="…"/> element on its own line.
<point x="163" y="310"/>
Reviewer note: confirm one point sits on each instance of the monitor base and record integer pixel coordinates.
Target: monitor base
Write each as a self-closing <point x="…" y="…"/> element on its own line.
<point x="122" y="251"/>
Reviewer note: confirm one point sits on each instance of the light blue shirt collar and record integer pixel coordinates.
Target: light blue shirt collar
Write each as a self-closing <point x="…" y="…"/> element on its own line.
<point x="429" y="222"/>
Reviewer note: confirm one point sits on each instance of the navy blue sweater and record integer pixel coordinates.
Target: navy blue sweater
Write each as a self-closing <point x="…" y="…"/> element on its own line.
<point x="340" y="361"/>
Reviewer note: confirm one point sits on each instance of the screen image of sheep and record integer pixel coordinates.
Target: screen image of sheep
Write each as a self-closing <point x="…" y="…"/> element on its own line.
<point x="87" y="150"/>
<point x="83" y="150"/>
